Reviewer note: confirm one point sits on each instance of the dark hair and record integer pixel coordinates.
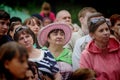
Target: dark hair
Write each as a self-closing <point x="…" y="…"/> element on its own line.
<point x="94" y="20"/>
<point x="32" y="66"/>
<point x="37" y="16"/>
<point x="22" y="30"/>
<point x="55" y="30"/>
<point x="7" y="52"/>
<point x="82" y="74"/>
<point x="95" y="23"/>
<point x="12" y="27"/>
<point x="4" y="15"/>
<point x="114" y="18"/>
<point x="15" y="19"/>
<point x="46" y="6"/>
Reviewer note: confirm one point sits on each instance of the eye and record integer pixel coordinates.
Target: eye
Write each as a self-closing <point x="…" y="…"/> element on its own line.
<point x="27" y="36"/>
<point x="21" y="38"/>
<point x="2" y="23"/>
<point x="62" y="34"/>
<point x="107" y="29"/>
<point x="101" y="30"/>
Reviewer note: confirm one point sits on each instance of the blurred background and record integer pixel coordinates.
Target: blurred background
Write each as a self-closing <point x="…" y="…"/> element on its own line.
<point x="25" y="8"/>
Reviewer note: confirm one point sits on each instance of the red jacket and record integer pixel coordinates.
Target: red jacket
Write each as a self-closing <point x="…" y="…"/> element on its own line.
<point x="106" y="63"/>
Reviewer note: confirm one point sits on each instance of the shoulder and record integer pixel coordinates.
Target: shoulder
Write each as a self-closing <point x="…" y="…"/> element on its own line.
<point x="47" y="53"/>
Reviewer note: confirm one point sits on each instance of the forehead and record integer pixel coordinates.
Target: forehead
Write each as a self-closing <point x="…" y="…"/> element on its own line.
<point x="64" y="14"/>
<point x="57" y="30"/>
<point x="4" y="20"/>
<point x="88" y="14"/>
<point x="102" y="26"/>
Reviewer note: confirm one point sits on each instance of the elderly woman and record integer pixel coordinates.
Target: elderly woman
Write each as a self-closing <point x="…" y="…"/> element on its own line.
<point x="44" y="60"/>
<point x="102" y="54"/>
<point x="54" y="36"/>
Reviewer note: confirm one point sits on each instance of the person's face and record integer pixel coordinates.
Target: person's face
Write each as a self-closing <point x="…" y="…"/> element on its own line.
<point x="116" y="28"/>
<point x="17" y="67"/>
<point x="4" y="25"/>
<point x="34" y="26"/>
<point x="83" y="20"/>
<point x="65" y="17"/>
<point x="29" y="75"/>
<point x="56" y="38"/>
<point x="46" y="12"/>
<point x="26" y="40"/>
<point x="102" y="34"/>
<point x="46" y="22"/>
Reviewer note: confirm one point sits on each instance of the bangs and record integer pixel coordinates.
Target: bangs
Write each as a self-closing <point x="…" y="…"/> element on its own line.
<point x="56" y="30"/>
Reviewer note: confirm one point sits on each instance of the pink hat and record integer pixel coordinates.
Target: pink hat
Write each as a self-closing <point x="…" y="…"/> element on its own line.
<point x="43" y="33"/>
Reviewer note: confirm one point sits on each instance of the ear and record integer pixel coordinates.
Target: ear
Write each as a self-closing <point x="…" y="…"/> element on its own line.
<point x="6" y="64"/>
<point x="92" y="35"/>
<point x="81" y="19"/>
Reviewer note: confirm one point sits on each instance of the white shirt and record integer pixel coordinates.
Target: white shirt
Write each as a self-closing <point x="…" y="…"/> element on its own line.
<point x="78" y="48"/>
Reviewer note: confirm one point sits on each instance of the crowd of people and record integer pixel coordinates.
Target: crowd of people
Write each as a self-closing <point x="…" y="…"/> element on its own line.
<point x="51" y="47"/>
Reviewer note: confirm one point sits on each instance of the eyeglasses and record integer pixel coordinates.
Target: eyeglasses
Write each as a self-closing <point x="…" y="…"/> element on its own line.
<point x="20" y="28"/>
<point x="96" y="20"/>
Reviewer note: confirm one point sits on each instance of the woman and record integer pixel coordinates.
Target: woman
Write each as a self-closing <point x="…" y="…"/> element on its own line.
<point x="13" y="61"/>
<point x="102" y="54"/>
<point x="44" y="60"/>
<point x="35" y="25"/>
<point x="115" y="26"/>
<point x="54" y="36"/>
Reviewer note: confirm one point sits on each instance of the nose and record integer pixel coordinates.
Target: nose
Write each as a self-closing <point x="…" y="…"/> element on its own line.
<point x="107" y="32"/>
<point x="36" y="26"/>
<point x="25" y="39"/>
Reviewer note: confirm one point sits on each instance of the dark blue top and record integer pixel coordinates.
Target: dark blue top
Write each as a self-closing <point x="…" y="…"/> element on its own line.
<point x="5" y="39"/>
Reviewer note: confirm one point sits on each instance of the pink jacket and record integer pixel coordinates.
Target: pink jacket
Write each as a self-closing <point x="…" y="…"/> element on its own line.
<point x="106" y="63"/>
<point x="51" y="16"/>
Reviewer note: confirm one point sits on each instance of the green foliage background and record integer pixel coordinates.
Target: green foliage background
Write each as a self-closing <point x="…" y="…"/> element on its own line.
<point x="31" y="7"/>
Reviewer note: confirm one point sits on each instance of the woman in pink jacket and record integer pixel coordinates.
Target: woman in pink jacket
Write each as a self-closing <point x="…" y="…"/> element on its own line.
<point x="102" y="54"/>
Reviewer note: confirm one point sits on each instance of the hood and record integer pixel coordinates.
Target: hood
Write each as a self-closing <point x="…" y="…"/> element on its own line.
<point x="112" y="46"/>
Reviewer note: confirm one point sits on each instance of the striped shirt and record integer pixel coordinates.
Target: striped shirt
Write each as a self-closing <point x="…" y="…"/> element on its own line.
<point x="46" y="63"/>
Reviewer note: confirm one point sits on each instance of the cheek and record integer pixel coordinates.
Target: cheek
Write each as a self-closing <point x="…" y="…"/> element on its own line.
<point x="20" y="41"/>
<point x="96" y="36"/>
